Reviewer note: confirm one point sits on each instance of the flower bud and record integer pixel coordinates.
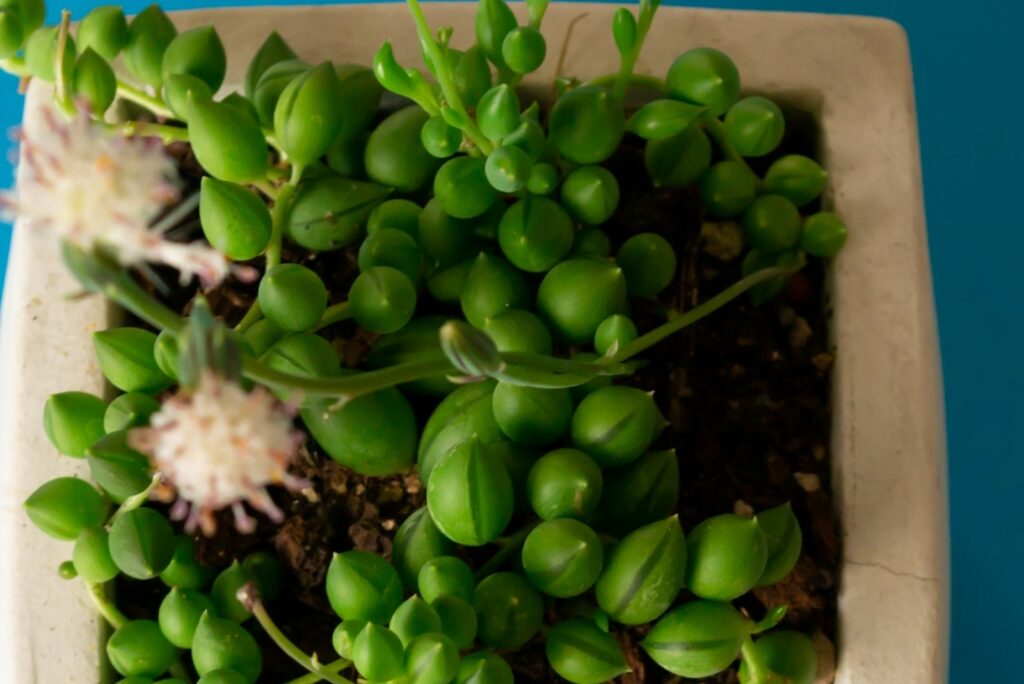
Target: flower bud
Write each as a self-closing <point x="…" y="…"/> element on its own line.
<point x="484" y="667"/>
<point x="440" y="138"/>
<point x="373" y="434"/>
<point x="624" y="30"/>
<point x="471" y="351"/>
<point x="563" y="557"/>
<point x="12" y="33"/>
<point x="639" y="493"/>
<point x="464" y="414"/>
<point x="234" y="219"/>
<point x="784" y="656"/>
<point x="771" y="224"/>
<point x="377" y="653"/>
<point x="728" y="554"/>
<point x="458" y="619"/>
<point x="431" y="659"/>
<point x="649" y="263"/>
<point x="470" y="495"/>
<point x="577" y="294"/>
<point x="118" y="469"/>
<point x="91" y="556"/>
<point x="149" y="34"/>
<point x="197" y="52"/>
<point x="535" y="234"/>
<point x="472" y="76"/>
<point x="586" y="125"/>
<point x="139" y="649"/>
<point x="644" y="573"/>
<point x="363" y="586"/>
<point x="345" y="636"/>
<point x="698" y="639"/>
<point x="126" y="359"/>
<point x="141" y="543"/>
<point x="616" y="424"/>
<point x="273" y="51"/>
<point x="179" y="615"/>
<point x="462" y="188"/>
<point x="494" y="20"/>
<point x="227" y="142"/>
<point x="824" y="234"/>
<point x="492" y="286"/>
<point x="590" y="194"/>
<point x="797" y="178"/>
<point x="292" y="297"/>
<point x="184" y="570"/>
<point x="414" y="618"/>
<point x="395" y="155"/>
<point x="307" y="117"/>
<point x="222" y="644"/>
<point x="728" y="188"/>
<point x="394" y="248"/>
<point x="328" y="213"/>
<point x="272" y="83"/>
<point x="524" y="49"/>
<point x="704" y="76"/>
<point x="382" y="299"/>
<point x="73" y="421"/>
<point x="784" y="539"/>
<point x="754" y="126"/>
<point x="65" y="506"/>
<point x="518" y="330"/>
<point x="531" y="415"/>
<point x="678" y="161"/>
<point x="508" y="169"/>
<point x="498" y="112"/>
<point x="583" y="653"/>
<point x="510" y="611"/>
<point x="445" y="576"/>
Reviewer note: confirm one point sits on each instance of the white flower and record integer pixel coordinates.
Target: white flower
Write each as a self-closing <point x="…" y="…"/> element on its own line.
<point x="96" y="188"/>
<point x="220" y="446"/>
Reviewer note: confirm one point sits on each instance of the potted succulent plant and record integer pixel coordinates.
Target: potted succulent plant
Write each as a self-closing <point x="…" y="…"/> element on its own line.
<point x="418" y="378"/>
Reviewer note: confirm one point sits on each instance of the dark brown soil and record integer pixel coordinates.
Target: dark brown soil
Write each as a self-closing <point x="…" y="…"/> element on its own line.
<point x="747" y="391"/>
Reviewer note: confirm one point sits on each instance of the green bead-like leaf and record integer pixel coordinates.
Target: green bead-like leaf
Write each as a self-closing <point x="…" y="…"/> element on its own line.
<point x="363" y="586"/>
<point x="224" y="593"/>
<point x="41" y="55"/>
<point x="509" y="611"/>
<point x="445" y="576"/>
<point x="583" y="653"/>
<point x="639" y="493"/>
<point x="180" y="90"/>
<point x="118" y="468"/>
<point x="105" y="30"/>
<point x="292" y="297"/>
<point x="149" y="34"/>
<point x="728" y="188"/>
<point x="139" y="649"/>
<point x="757" y="260"/>
<point x="469" y="495"/>
<point x="382" y="299"/>
<point x="414" y="618"/>
<point x="535" y="234"/>
<point x="359" y="95"/>
<point x="184" y="570"/>
<point x="824" y="234"/>
<point x="307" y="118"/>
<point x="530" y="415"/>
<point x="543" y="179"/>
<point x="431" y="659"/>
<point x="508" y="169"/>
<point x="91" y="556"/>
<point x="129" y="410"/>
<point x="418" y="341"/>
<point x="586" y="125"/>
<point x="377" y="653"/>
<point x="448" y="241"/>
<point x="754" y="126"/>
<point x="73" y="421"/>
<point x="395" y="155"/>
<point x="329" y="213"/>
<point x="728" y="554"/>
<point x="125" y="356"/>
<point x="615" y="425"/>
<point x="624" y="30"/>
<point x="590" y="194"/>
<point x="484" y="667"/>
<point x="644" y="574"/>
<point x="494" y="20"/>
<point x="197" y="52"/>
<point x="528" y="136"/>
<point x="222" y="644"/>
<point x="227" y="142"/>
<point x="564" y="483"/>
<point x="273" y="51"/>
<point x="265" y="570"/>
<point x="771" y="224"/>
<point x="472" y="76"/>
<point x="498" y="112"/>
<point x="524" y="49"/>
<point x="179" y="615"/>
<point x="613" y="333"/>
<point x="395" y="214"/>
<point x="30" y="12"/>
<point x="680" y="160"/>
<point x="440" y="138"/>
<point x="563" y="557"/>
<point x="783" y="656"/>
<point x="458" y="619"/>
<point x="374" y="434"/>
<point x="492" y="287"/>
<point x="465" y="414"/>
<point x="784" y="539"/>
<point x="64" y="507"/>
<point x="272" y="83"/>
<point x="797" y="178"/>
<point x="12" y="33"/>
<point x="649" y="263"/>
<point x="303" y="354"/>
<point x="698" y="639"/>
<point x="704" y="76"/>
<point x="663" y="119"/>
<point x="577" y="294"/>
<point x="345" y="636"/>
<point x="221" y="676"/>
<point x="417" y="541"/>
<point x="591" y="243"/>
<point x="94" y="82"/>
<point x="462" y="188"/>
<point x="394" y="248"/>
<point x="141" y="543"/>
<point x="234" y="219"/>
<point x="518" y="330"/>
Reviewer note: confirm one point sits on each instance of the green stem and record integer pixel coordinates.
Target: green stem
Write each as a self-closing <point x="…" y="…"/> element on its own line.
<point x="104" y="606"/>
<point x="280" y="217"/>
<point x="646" y="16"/>
<point x="290" y="649"/>
<point x="133" y="502"/>
<point x="126" y="292"/>
<point x="63" y="95"/>
<point x="313" y="677"/>
<point x="15" y="66"/>
<point x="267" y="188"/>
<point x="251" y="317"/>
<point x="140" y="97"/>
<point x="509" y="546"/>
<point x="695" y="314"/>
<point x="167" y="134"/>
<point x="349" y="386"/>
<point x="756" y="670"/>
<point x="445" y="78"/>
<point x="716" y="129"/>
<point x="334" y="314"/>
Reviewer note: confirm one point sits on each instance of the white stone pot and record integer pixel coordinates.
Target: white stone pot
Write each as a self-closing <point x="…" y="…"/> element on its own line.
<point x="888" y="437"/>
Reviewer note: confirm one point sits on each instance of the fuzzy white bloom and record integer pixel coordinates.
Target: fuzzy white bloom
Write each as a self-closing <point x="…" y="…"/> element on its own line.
<point x="220" y="446"/>
<point x="96" y="188"/>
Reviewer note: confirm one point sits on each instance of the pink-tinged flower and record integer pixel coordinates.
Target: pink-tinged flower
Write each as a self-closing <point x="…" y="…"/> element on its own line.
<point x="220" y="446"/>
<point x="96" y="188"/>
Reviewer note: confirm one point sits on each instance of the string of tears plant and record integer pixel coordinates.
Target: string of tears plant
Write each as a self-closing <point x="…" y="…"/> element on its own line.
<point x="473" y="239"/>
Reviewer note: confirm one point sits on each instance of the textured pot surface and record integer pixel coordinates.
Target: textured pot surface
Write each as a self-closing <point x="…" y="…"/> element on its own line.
<point x="888" y="438"/>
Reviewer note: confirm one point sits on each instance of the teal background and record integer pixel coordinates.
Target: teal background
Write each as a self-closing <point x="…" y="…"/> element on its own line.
<point x="967" y="68"/>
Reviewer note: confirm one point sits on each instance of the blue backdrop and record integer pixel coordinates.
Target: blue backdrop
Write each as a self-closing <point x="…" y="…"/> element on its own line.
<point x="967" y="71"/>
